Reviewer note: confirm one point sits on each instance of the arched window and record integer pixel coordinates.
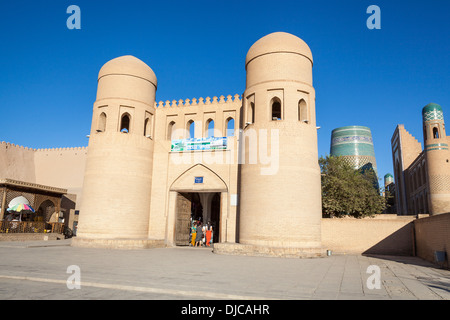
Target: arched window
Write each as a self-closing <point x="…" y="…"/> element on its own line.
<point x="425" y="202"/>
<point x="276" y="109"/>
<point x="125" y="123"/>
<point x="251" y="113"/>
<point x="191" y="129"/>
<point x="302" y="111"/>
<point x="399" y="187"/>
<point x="230" y="127"/>
<point x="435" y="133"/>
<point x="102" y="123"/>
<point x="210" y="128"/>
<point x="170" y="130"/>
<point x="424" y="180"/>
<point x="148" y="127"/>
<point x="416" y="177"/>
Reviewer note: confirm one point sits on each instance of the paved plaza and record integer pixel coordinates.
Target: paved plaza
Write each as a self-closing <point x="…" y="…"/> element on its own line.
<point x="41" y="269"/>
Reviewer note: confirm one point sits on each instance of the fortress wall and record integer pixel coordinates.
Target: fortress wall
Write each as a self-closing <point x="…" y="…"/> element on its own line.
<point x="61" y="167"/>
<point x="17" y="162"/>
<point x="383" y="234"/>
<point x="433" y="234"/>
<point x="200" y="111"/>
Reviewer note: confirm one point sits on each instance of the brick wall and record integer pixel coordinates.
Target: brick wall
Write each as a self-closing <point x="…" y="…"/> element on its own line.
<point x="433" y="234"/>
<point x="384" y="234"/>
<point x="30" y="236"/>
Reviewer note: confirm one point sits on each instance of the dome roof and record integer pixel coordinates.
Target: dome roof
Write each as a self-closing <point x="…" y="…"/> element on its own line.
<point x="278" y="42"/>
<point x="431" y="107"/>
<point x="128" y="65"/>
<point x="432" y="111"/>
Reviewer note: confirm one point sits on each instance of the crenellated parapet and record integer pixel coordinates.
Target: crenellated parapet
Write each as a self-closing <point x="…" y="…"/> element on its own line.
<point x="61" y="149"/>
<point x="198" y="102"/>
<point x="8" y="145"/>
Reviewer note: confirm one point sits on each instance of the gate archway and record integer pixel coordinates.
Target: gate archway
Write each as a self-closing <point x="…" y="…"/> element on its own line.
<point x="196" y="200"/>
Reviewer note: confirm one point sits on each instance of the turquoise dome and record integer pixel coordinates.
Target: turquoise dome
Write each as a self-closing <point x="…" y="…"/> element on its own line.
<point x="432" y="111"/>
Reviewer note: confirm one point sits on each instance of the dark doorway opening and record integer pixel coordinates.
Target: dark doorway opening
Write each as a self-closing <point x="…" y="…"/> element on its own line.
<point x="199" y="208"/>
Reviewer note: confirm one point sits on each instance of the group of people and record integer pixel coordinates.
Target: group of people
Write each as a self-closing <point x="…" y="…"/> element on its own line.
<point x="201" y="235"/>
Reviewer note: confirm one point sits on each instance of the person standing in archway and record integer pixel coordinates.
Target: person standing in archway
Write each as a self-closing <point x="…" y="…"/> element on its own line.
<point x="199" y="235"/>
<point x="208" y="234"/>
<point x="193" y="233"/>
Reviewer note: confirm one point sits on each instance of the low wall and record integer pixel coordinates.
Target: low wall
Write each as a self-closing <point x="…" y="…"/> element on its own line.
<point x="263" y="251"/>
<point x="433" y="234"/>
<point x="127" y="244"/>
<point x="30" y="236"/>
<point x="383" y="234"/>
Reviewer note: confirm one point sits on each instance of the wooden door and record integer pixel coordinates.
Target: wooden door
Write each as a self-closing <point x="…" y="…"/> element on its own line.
<point x="183" y="219"/>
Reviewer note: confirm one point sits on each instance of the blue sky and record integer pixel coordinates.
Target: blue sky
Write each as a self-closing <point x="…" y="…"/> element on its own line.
<point x="376" y="78"/>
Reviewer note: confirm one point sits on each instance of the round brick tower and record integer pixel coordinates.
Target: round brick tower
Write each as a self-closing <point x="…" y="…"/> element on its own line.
<point x="280" y="198"/>
<point x="117" y="182"/>
<point x="438" y="157"/>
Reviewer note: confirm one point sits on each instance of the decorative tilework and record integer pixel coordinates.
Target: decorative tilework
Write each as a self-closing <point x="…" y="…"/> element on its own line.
<point x="352" y="139"/>
<point x="436" y="146"/>
<point x="439" y="183"/>
<point x="433" y="115"/>
<point x="432" y="111"/>
<point x="355" y="145"/>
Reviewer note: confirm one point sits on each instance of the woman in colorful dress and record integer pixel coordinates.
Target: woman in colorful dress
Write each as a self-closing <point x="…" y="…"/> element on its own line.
<point x="208" y="234"/>
<point x="193" y="233"/>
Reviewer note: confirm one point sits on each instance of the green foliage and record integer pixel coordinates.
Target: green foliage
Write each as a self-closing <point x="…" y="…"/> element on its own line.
<point x="346" y="191"/>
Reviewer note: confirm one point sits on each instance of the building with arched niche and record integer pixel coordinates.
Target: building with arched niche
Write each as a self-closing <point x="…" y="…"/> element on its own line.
<point x="246" y="164"/>
<point x="235" y="162"/>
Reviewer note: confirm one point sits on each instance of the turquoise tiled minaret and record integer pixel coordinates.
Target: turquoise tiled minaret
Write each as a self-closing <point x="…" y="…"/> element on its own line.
<point x="355" y="144"/>
<point x="434" y="127"/>
<point x="432" y="111"/>
<point x="437" y="159"/>
<point x="388" y="179"/>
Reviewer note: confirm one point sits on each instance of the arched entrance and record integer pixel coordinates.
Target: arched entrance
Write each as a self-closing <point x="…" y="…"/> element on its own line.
<point x="45" y="211"/>
<point x="198" y="194"/>
<point x="196" y="207"/>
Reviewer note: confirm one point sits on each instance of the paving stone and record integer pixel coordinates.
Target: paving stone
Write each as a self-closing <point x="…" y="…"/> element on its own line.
<point x="38" y="270"/>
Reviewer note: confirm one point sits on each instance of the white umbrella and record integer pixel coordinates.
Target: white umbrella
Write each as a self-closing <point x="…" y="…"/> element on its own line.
<point x="18" y="200"/>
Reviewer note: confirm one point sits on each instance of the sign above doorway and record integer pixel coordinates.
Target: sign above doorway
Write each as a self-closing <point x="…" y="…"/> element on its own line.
<point x="198" y="180"/>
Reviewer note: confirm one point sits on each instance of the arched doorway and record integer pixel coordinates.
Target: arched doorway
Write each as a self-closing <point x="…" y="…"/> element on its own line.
<point x="45" y="211"/>
<point x="196" y="194"/>
<point x="200" y="208"/>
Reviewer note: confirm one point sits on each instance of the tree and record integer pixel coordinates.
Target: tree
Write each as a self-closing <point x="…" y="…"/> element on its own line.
<point x="346" y="191"/>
